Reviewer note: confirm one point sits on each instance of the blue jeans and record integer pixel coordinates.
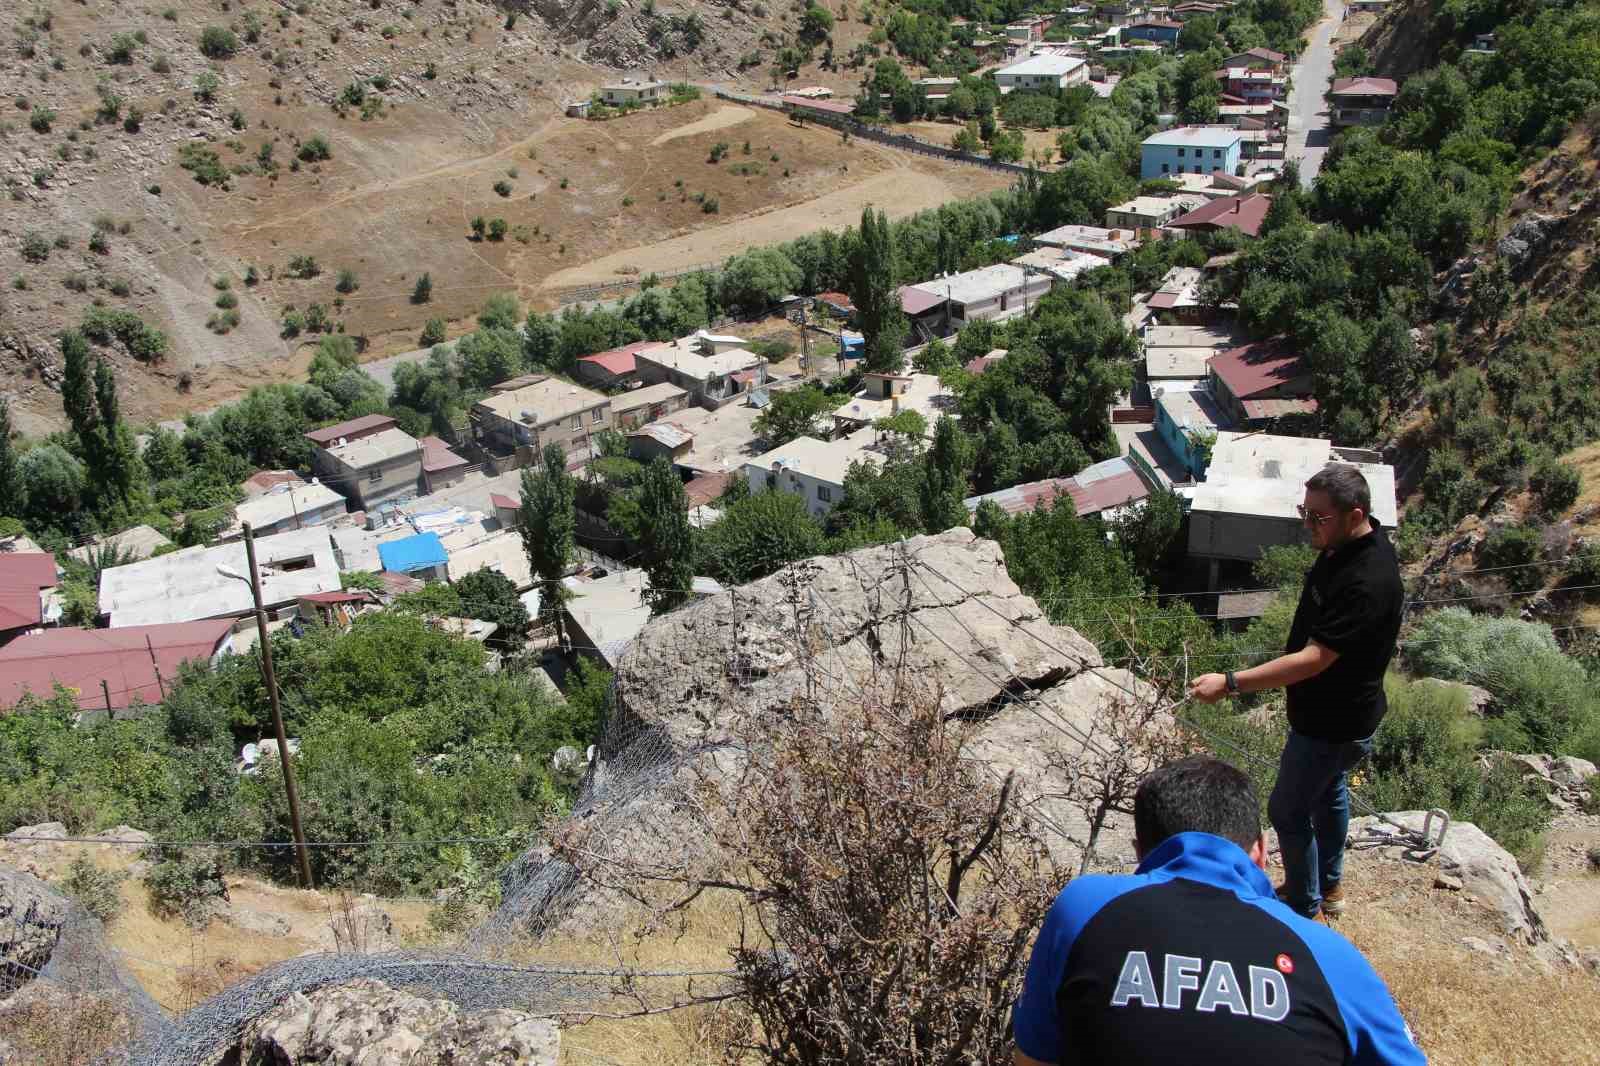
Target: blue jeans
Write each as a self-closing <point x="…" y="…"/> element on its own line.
<point x="1310" y="809"/>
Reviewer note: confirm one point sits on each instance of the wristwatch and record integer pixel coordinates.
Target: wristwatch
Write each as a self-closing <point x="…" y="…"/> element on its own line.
<point x="1233" y="683"/>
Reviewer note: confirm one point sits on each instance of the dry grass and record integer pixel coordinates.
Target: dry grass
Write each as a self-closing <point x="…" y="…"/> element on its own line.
<point x="1586" y="461"/>
<point x="65" y="1030"/>
<point x="1465" y="1007"/>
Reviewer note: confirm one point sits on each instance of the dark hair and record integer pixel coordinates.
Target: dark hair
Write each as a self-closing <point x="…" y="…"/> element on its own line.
<point x="1345" y="485"/>
<point x="1200" y="794"/>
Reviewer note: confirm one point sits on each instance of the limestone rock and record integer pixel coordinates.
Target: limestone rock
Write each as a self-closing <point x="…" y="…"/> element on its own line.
<point x="368" y="1023"/>
<point x="1564" y="778"/>
<point x="1526" y="237"/>
<point x="124" y="834"/>
<point x="254" y="921"/>
<point x="1484" y="868"/>
<point x="32" y="915"/>
<point x="42" y="831"/>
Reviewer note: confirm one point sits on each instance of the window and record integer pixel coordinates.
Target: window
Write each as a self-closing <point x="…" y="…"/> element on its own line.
<point x="375" y="477"/>
<point x="1166" y="168"/>
<point x="1180" y="153"/>
<point x="824" y="493"/>
<point x="577" y="420"/>
<point x="598" y="417"/>
<point x="1216" y="153"/>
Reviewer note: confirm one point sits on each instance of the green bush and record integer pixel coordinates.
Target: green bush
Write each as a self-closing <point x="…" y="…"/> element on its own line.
<point x="347" y="282"/>
<point x="1556" y="485"/>
<point x="218" y="42"/>
<point x="432" y="333"/>
<point x="315" y="149"/>
<point x="204" y="164"/>
<point x="1516" y="549"/>
<point x="35" y="247"/>
<point x="96" y="888"/>
<point x="41" y="119"/>
<point x="188" y="885"/>
<point x="503" y="187"/>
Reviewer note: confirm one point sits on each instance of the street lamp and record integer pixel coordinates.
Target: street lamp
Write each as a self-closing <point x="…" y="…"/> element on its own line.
<point x="290" y="792"/>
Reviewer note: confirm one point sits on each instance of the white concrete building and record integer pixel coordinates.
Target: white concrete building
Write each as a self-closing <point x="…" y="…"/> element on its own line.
<point x="1043" y="71"/>
<point x="992" y="293"/>
<point x="812" y="469"/>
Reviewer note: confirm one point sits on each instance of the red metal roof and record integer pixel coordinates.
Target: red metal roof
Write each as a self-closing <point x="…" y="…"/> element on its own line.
<point x="1246" y="212"/>
<point x="1097" y="488"/>
<point x="916" y="301"/>
<point x="22" y="575"/>
<point x="397" y="584"/>
<point x="263" y="480"/>
<point x="1364" y="87"/>
<point x="706" y="489"/>
<point x="334" y="597"/>
<point x="81" y="658"/>
<point x="1278" y="408"/>
<point x="837" y="300"/>
<point x="1163" y="301"/>
<point x="620" y="361"/>
<point x="1256" y="368"/>
<point x="437" y="456"/>
<point x="356" y="428"/>
<point x="500" y="501"/>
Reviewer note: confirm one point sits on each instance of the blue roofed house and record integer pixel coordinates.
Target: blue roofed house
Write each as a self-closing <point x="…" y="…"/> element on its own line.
<point x="420" y="556"/>
<point x="1190" y="150"/>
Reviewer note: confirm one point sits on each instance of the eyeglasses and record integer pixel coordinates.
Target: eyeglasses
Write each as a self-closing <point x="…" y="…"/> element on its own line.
<point x="1312" y="518"/>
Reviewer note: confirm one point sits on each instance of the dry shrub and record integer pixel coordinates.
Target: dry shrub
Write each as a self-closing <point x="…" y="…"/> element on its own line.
<point x="887" y="887"/>
<point x="48" y="1026"/>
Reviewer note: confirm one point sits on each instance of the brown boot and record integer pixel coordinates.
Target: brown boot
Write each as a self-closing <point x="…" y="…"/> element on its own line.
<point x="1333" y="900"/>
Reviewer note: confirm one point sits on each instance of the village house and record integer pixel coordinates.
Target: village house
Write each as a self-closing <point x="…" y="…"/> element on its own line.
<point x="1252" y="490"/>
<point x="614" y="369"/>
<point x="441" y="466"/>
<point x="213" y="582"/>
<point x="501" y="552"/>
<point x="993" y="293"/>
<point x="713" y="369"/>
<point x="1150" y="212"/>
<point x="289" y="506"/>
<point x="1257" y="59"/>
<point x="523" y="421"/>
<point x="1253" y="86"/>
<point x="1195" y="149"/>
<point x="634" y="93"/>
<point x="135" y="542"/>
<point x="1179" y="295"/>
<point x="1175" y="354"/>
<point x="886" y="395"/>
<point x="1105" y="488"/>
<point x="1043" y="71"/>
<point x="1061" y="266"/>
<point x="370" y="460"/>
<point x="1361" y="101"/>
<point x="1243" y="213"/>
<point x="812" y="469"/>
<point x="1257" y="383"/>
<point x="420" y="555"/>
<point x="264" y="481"/>
<point x="27" y="585"/>
<point x="936" y="89"/>
<point x="109" y="670"/>
<point x="630" y="410"/>
<point x="1157" y="31"/>
<point x="807" y="107"/>
<point x="1188" y="419"/>
<point x="1091" y="240"/>
<point x="660" y="440"/>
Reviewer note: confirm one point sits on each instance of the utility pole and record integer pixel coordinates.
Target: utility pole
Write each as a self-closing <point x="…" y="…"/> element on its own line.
<point x="301" y="855"/>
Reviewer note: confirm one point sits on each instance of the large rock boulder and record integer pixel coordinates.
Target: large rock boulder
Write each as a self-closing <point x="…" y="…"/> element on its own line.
<point x="32" y="915"/>
<point x="941" y="609"/>
<point x="367" y="1023"/>
<point x="1485" y="869"/>
<point x="1566" y="780"/>
<point x="1524" y="238"/>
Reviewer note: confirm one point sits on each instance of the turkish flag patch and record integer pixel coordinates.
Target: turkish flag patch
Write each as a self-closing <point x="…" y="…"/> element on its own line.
<point x="1285" y="963"/>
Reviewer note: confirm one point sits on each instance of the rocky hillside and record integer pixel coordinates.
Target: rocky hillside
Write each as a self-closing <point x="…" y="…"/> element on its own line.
<point x="144" y="167"/>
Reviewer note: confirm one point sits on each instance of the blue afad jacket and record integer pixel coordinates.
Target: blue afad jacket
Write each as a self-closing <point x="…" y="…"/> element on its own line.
<point x="1193" y="958"/>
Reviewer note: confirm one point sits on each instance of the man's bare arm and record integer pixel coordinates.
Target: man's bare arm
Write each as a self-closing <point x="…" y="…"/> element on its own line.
<point x="1288" y="669"/>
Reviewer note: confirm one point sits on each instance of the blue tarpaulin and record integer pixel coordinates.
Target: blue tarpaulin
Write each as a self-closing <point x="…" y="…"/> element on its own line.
<point x="852" y="345"/>
<point x="410" y="554"/>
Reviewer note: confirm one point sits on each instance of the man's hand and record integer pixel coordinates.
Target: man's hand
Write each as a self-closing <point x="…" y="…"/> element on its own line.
<point x="1209" y="688"/>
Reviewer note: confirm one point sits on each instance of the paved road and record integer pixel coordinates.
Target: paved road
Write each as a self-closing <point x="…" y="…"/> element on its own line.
<point x="1309" y="131"/>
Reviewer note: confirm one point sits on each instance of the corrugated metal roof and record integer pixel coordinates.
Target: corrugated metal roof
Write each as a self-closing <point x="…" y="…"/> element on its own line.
<point x="667" y="434"/>
<point x="1108" y="484"/>
<point x="619" y="361"/>
<point x="80" y="659"/>
<point x="916" y="301"/>
<point x="356" y="427"/>
<point x="1257" y="367"/>
<point x="437" y="456"/>
<point x="22" y="575"/>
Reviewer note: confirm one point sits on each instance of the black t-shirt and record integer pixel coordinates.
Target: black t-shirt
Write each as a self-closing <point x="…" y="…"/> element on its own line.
<point x="1351" y="604"/>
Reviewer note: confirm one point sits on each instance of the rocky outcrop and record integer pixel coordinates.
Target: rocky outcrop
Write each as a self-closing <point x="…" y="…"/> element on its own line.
<point x="940" y="609"/>
<point x="368" y="1023"/>
<point x="1565" y="779"/>
<point x="32" y="915"/>
<point x="1525" y="238"/>
<point x="1484" y="869"/>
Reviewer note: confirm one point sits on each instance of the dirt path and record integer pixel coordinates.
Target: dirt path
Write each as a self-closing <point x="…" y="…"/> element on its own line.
<point x="898" y="192"/>
<point x="720" y="119"/>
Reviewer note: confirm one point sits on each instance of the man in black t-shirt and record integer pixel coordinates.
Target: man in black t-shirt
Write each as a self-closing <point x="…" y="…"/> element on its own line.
<point x="1332" y="669"/>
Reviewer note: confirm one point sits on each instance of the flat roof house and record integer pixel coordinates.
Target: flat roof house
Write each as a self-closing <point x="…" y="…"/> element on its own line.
<point x="1182" y="353"/>
<point x="1244" y="213"/>
<point x="812" y="469"/>
<point x="373" y="468"/>
<point x="1248" y="501"/>
<point x="523" y="421"/>
<point x="631" y="92"/>
<point x="108" y="670"/>
<point x="1091" y="240"/>
<point x="138" y="542"/>
<point x="605" y="614"/>
<point x="993" y="293"/>
<point x="660" y="440"/>
<point x="1062" y="266"/>
<point x="1191" y="149"/>
<point x="630" y="410"/>
<point x="213" y="582"/>
<point x="1258" y="383"/>
<point x="441" y="466"/>
<point x="886" y="395"/>
<point x="289" y="506"/>
<point x="1187" y="421"/>
<point x="713" y="369"/>
<point x="1361" y="101"/>
<point x="1043" y="71"/>
<point x="1150" y="212"/>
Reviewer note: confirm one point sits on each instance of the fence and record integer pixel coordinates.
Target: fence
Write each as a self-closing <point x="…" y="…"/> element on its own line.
<point x="903" y="141"/>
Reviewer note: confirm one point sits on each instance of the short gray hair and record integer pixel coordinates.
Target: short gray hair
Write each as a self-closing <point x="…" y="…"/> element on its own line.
<point x="1345" y="486"/>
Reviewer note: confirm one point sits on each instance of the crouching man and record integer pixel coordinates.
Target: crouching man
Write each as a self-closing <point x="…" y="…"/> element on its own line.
<point x="1193" y="958"/>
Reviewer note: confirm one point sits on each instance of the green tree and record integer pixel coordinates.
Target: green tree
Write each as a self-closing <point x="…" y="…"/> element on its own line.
<point x="548" y="523"/>
<point x="423" y="291"/>
<point x="1148" y="534"/>
<point x="757" y="536"/>
<point x="541" y="338"/>
<point x="666" y="537"/>
<point x="792" y="414"/>
<point x="815" y="24"/>
<point x="872" y="290"/>
<point x="499" y="312"/>
<point x="12" y="502"/>
<point x="218" y="42"/>
<point x="944" y="484"/>
<point x="432" y="333"/>
<point x="490" y="596"/>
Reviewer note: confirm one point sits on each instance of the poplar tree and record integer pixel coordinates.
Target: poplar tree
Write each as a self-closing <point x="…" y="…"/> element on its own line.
<point x="668" y="539"/>
<point x="872" y="290"/>
<point x="548" y="523"/>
